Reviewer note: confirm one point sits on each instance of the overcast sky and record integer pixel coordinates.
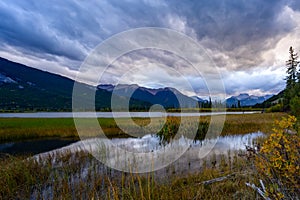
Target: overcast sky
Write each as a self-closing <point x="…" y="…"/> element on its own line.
<point x="247" y="40"/>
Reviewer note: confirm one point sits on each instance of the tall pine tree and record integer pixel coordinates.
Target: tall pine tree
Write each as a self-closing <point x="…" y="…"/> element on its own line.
<point x="291" y="78"/>
<point x="291" y="64"/>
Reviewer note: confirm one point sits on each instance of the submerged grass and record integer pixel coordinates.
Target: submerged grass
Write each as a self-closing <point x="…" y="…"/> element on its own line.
<point x="18" y="176"/>
<point x="13" y="129"/>
<point x="80" y="176"/>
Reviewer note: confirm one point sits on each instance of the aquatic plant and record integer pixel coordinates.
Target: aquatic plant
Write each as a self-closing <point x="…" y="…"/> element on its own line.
<point x="78" y="175"/>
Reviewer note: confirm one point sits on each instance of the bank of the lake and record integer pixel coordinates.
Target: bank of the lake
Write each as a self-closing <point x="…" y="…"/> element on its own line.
<point x="16" y="129"/>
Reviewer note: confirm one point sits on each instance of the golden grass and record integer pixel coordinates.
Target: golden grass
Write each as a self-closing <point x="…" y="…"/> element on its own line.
<point x="241" y="124"/>
<point x="22" y="179"/>
<point x="13" y="129"/>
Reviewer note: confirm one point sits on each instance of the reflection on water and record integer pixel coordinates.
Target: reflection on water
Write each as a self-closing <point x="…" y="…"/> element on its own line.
<point x="191" y="161"/>
<point x="34" y="146"/>
<point x="147" y="153"/>
<point x="150" y="143"/>
<point x="145" y="144"/>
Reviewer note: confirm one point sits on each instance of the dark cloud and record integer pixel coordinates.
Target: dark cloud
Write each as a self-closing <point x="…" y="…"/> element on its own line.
<point x="30" y="31"/>
<point x="236" y="33"/>
<point x="241" y="30"/>
<point x="141" y="13"/>
<point x="66" y="28"/>
<point x="295" y="4"/>
<point x="60" y="28"/>
<point x="257" y="80"/>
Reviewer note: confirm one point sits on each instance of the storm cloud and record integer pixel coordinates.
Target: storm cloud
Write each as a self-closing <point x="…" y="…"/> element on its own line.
<point x="247" y="40"/>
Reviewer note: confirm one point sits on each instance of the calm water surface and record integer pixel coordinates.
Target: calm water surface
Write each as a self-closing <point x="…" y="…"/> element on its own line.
<point x="146" y="143"/>
<point x="191" y="161"/>
<point x="34" y="146"/>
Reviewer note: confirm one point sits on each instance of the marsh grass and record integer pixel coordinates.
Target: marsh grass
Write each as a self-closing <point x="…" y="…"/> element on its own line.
<point x="234" y="124"/>
<point x="14" y="129"/>
<point x="79" y="176"/>
<point x="171" y="128"/>
<point x="241" y="124"/>
<point x="215" y="109"/>
<point x="70" y="175"/>
<point x="18" y="176"/>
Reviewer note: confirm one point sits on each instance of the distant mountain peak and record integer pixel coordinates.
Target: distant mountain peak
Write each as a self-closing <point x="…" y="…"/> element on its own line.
<point x="154" y="91"/>
<point x="242" y="96"/>
<point x="167" y="96"/>
<point x="198" y="99"/>
<point x="246" y="100"/>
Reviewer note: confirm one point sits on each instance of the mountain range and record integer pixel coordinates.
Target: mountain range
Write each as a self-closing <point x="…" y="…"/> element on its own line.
<point x="245" y="99"/>
<point x="167" y="97"/>
<point x="23" y="88"/>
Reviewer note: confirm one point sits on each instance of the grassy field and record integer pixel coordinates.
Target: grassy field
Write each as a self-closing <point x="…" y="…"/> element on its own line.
<point x="241" y="124"/>
<point x="13" y="129"/>
<point x="22" y="179"/>
<point x="215" y="109"/>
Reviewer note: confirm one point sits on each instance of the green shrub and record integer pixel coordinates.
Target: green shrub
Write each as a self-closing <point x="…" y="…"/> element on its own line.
<point x="275" y="108"/>
<point x="295" y="106"/>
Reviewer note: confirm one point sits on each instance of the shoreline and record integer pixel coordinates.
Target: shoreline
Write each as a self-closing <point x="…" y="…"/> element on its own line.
<point x="119" y="114"/>
<point x="20" y="129"/>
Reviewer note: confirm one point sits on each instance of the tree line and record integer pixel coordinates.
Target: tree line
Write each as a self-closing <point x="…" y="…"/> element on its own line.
<point x="292" y="91"/>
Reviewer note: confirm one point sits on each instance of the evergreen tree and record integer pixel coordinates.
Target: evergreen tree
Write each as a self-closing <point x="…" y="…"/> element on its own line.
<point x="291" y="79"/>
<point x="291" y="69"/>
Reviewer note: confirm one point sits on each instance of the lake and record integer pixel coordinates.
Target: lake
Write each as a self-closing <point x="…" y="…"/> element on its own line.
<point x="145" y="144"/>
<point x="184" y="150"/>
<point x="34" y="146"/>
<point x="87" y="167"/>
<point x="148" y="153"/>
<point x="113" y="115"/>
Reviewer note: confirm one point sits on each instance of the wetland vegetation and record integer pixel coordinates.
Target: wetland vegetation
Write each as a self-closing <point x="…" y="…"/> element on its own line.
<point x="69" y="178"/>
<point x="14" y="129"/>
<point x="78" y="175"/>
